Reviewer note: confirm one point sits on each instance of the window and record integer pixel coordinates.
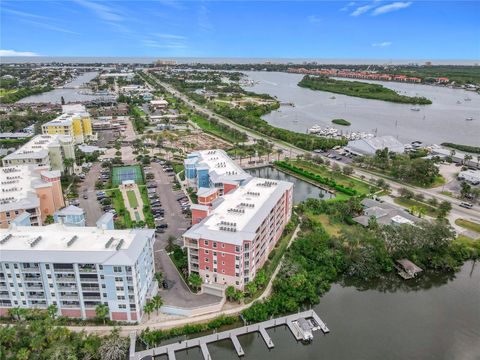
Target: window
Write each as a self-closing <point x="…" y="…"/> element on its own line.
<point x="223" y="262"/>
<point x="206" y="252"/>
<point x="207" y="259"/>
<point x="117" y="278"/>
<point x="223" y="246"/>
<point x="121" y="297"/>
<point x="237" y="248"/>
<point x="223" y="271"/>
<point x="117" y="269"/>
<point x="122" y="306"/>
<point x="205" y="242"/>
<point x="119" y="288"/>
<point x="223" y="254"/>
<point x="207" y="268"/>
<point x="214" y="244"/>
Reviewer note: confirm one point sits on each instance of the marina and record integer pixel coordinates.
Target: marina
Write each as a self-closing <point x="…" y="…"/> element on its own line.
<point x="302" y="325"/>
<point x="332" y="132"/>
<point x="432" y="123"/>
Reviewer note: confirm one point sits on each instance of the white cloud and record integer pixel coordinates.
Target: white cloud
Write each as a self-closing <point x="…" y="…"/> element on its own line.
<point x="102" y="11"/>
<point x="170" y="45"/>
<point x="361" y="10"/>
<point x="50" y="27"/>
<point x="170" y="36"/>
<point x="24" y="14"/>
<point x="391" y="7"/>
<point x="382" y="44"/>
<point x="314" y="19"/>
<point x="17" y="53"/>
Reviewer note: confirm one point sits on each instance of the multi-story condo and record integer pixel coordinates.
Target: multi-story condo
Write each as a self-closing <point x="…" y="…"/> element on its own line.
<point x="213" y="169"/>
<point x="231" y="239"/>
<point x="29" y="189"/>
<point x="75" y="121"/>
<point x="48" y="151"/>
<point x="77" y="268"/>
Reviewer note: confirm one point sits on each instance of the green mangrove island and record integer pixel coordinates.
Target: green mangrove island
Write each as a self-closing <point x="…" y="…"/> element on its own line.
<point x="359" y="89"/>
<point x="341" y="122"/>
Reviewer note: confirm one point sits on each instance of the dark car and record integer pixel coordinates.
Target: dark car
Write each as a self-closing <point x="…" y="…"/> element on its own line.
<point x="85" y="196"/>
<point x="162" y="226"/>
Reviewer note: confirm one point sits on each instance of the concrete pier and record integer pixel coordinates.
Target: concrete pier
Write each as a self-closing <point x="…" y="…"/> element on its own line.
<point x="266" y="337"/>
<point x="236" y="344"/>
<point x="232" y="335"/>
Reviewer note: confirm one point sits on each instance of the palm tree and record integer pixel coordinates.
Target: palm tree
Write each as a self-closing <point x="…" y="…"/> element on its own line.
<point x="422" y="212"/>
<point x="114" y="347"/>
<point x="413" y="209"/>
<point x="279" y="152"/>
<point x="148" y="308"/>
<point x="101" y="312"/>
<point x="195" y="281"/>
<point x="157" y="302"/>
<point x="52" y="311"/>
<point x="467" y="158"/>
<point x="68" y="163"/>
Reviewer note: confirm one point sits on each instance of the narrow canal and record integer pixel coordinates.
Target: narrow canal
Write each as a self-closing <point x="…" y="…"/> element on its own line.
<point x="302" y="189"/>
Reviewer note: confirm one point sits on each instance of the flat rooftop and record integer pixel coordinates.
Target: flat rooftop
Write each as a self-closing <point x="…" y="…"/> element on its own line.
<point x="59" y="243"/>
<point x="65" y="119"/>
<point x="220" y="166"/>
<point x="18" y="184"/>
<point x="37" y="147"/>
<point x="241" y="212"/>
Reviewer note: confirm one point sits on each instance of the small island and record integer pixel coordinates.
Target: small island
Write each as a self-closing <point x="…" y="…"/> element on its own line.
<point x="359" y="89"/>
<point x="341" y="122"/>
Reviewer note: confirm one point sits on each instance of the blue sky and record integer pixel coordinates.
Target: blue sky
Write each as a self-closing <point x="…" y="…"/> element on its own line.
<point x="376" y="29"/>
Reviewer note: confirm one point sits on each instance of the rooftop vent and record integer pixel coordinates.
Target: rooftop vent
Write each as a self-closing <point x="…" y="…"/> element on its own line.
<point x="72" y="240"/>
<point x="6" y="238"/>
<point x="35" y="241"/>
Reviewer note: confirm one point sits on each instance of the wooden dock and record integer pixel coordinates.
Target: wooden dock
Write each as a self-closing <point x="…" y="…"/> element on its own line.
<point x="232" y="335"/>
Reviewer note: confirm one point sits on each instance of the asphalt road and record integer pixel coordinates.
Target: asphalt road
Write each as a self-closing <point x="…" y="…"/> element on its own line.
<point x="92" y="208"/>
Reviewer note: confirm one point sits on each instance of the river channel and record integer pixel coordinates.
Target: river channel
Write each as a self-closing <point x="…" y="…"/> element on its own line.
<point x="442" y="121"/>
<point x="436" y="318"/>
<point x="70" y="95"/>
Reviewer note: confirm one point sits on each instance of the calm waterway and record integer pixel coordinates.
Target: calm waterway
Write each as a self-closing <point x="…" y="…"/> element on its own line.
<point x="442" y="121"/>
<point x="435" y="319"/>
<point x="70" y="95"/>
<point x="302" y="189"/>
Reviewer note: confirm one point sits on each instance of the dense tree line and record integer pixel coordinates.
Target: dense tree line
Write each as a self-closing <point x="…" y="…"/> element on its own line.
<point x="17" y="122"/>
<point x="404" y="167"/>
<point x="467" y="148"/>
<point x="21" y="93"/>
<point x="359" y="89"/>
<point x="250" y="117"/>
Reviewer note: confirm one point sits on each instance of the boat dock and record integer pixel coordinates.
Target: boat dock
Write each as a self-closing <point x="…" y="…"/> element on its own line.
<point x="289" y="320"/>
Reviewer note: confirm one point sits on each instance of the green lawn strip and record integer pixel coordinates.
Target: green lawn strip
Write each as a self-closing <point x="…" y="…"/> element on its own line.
<point x="473" y="246"/>
<point x="124" y="221"/>
<point x="361" y="187"/>
<point x="332" y="227"/>
<point x="439" y="181"/>
<point x="467" y="224"/>
<point x="132" y="199"/>
<point x="147" y="211"/>
<point x="409" y="203"/>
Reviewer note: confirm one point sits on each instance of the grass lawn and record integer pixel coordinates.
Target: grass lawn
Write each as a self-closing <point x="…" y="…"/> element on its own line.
<point x="132" y="199"/>
<point x="467" y="224"/>
<point x="408" y="203"/>
<point x="4" y="92"/>
<point x="472" y="245"/>
<point x="124" y="221"/>
<point x="333" y="228"/>
<point x="147" y="212"/>
<point x="360" y="186"/>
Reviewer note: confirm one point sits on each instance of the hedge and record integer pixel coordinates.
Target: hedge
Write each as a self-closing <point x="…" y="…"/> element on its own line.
<point x="315" y="177"/>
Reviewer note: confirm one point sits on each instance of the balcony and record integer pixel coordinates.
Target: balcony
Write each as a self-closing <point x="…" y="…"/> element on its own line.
<point x="36" y="297"/>
<point x="68" y="297"/>
<point x="34" y="287"/>
<point x="67" y="288"/>
<point x="66" y="278"/>
<point x="89" y="280"/>
<point x="92" y="298"/>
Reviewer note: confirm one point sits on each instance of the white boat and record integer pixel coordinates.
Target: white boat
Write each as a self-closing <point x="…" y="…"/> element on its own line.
<point x="415" y="108"/>
<point x="469" y="119"/>
<point x="467" y="99"/>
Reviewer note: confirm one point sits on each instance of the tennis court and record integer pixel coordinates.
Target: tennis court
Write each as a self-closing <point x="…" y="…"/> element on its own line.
<point x="122" y="173"/>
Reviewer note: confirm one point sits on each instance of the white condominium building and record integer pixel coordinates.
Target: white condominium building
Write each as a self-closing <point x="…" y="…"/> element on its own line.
<point x="48" y="151"/>
<point x="77" y="268"/>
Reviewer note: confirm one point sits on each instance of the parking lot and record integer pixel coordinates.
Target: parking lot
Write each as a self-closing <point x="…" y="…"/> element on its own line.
<point x="92" y="208"/>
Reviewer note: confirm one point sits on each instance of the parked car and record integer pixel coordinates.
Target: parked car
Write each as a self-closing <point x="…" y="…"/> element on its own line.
<point x="466" y="205"/>
<point x="160" y="231"/>
<point x="85" y="196"/>
<point x="162" y="226"/>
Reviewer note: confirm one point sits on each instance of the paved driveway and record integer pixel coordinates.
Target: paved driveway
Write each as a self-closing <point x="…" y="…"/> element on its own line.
<point x="92" y="208"/>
